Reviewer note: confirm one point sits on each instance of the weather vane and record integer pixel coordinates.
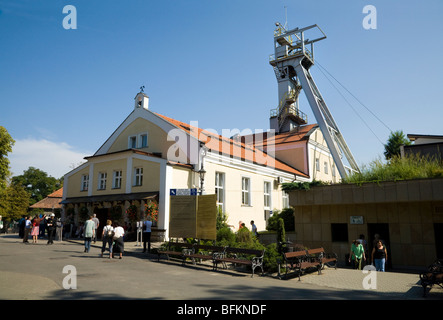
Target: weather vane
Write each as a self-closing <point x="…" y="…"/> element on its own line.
<point x="142" y="89"/>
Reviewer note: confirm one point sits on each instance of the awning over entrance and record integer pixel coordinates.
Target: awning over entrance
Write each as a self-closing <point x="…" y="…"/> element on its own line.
<point x="112" y="197"/>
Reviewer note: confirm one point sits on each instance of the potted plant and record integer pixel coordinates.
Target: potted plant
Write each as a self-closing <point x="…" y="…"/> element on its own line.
<point x="151" y="210"/>
<point x="132" y="213"/>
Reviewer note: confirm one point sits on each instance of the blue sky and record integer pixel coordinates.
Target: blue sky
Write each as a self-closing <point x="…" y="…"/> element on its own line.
<point x="63" y="92"/>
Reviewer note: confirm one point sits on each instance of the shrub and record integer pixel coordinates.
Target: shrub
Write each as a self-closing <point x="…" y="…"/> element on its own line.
<point x="225" y="236"/>
<point x="398" y="168"/>
<point x="287" y="215"/>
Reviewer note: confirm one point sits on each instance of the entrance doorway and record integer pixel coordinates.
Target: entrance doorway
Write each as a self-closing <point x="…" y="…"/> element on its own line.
<point x="382" y="229"/>
<point x="102" y="216"/>
<point x="438" y="232"/>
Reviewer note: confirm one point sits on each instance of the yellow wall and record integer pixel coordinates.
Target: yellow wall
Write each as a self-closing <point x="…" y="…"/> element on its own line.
<point x="317" y="152"/>
<point x="74" y="183"/>
<point x="151" y="175"/>
<point x="109" y="167"/>
<point x="184" y="178"/>
<point x="157" y="138"/>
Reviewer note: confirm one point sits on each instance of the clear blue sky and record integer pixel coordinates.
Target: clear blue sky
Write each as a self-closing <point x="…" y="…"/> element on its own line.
<point x="63" y="92"/>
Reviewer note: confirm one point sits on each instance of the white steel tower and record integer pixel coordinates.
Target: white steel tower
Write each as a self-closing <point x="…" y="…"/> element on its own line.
<point x="293" y="56"/>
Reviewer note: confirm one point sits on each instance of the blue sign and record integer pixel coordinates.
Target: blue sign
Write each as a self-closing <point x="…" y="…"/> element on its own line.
<point x="183" y="192"/>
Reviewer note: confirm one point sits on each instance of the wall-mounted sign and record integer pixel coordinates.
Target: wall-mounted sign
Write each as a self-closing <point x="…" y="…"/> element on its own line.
<point x="356" y="220"/>
<point x="183" y="192"/>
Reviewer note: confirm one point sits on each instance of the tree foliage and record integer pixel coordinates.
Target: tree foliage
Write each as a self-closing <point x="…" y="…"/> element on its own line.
<point x="395" y="141"/>
<point x="14" y="202"/>
<point x="37" y="183"/>
<point x="6" y="143"/>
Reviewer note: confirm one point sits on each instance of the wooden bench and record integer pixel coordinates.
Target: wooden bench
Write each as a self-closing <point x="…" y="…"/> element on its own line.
<point x="323" y="257"/>
<point x="176" y="249"/>
<point x="204" y="252"/>
<point x="248" y="257"/>
<point x="434" y="275"/>
<point x="300" y="261"/>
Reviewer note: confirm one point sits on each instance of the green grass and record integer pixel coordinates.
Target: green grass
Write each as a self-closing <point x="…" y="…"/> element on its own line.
<point x="407" y="168"/>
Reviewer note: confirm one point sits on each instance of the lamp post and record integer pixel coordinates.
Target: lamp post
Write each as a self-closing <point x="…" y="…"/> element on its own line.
<point x="202" y="173"/>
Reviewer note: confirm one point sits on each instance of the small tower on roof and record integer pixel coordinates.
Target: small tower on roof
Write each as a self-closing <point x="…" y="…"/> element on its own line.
<point x="141" y="99"/>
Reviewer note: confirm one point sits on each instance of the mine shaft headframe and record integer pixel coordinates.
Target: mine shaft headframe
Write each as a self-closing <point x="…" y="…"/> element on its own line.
<point x="289" y="44"/>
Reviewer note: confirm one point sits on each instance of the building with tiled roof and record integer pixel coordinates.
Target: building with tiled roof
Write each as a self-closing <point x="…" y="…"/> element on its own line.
<point x="149" y="155"/>
<point x="51" y="202"/>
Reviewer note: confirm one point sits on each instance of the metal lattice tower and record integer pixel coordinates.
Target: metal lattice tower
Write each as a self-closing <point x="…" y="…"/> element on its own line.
<point x="292" y="59"/>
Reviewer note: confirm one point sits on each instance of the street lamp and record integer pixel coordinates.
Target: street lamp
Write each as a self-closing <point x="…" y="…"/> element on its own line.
<point x="202" y="173"/>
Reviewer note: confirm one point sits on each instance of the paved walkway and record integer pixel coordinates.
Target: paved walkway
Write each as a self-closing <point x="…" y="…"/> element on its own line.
<point x="35" y="271"/>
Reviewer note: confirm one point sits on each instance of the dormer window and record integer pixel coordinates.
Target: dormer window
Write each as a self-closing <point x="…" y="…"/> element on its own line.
<point x="132" y="142"/>
<point x="143" y="140"/>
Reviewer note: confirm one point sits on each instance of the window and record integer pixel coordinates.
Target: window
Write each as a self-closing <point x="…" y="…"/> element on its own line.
<point x="138" y="176"/>
<point x="219" y="189"/>
<point x="325" y="164"/>
<point x="333" y="170"/>
<point x="143" y="140"/>
<point x="339" y="232"/>
<point x="245" y="191"/>
<point x="285" y="199"/>
<point x="102" y="180"/>
<point x="317" y="164"/>
<point x="117" y="180"/>
<point x="267" y="194"/>
<point x="85" y="182"/>
<point x="132" y="142"/>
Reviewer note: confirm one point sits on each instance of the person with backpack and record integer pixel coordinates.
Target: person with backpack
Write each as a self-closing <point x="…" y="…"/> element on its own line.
<point x="107" y="237"/>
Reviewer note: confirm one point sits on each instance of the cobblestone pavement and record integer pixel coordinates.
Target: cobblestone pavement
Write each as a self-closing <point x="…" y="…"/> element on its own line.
<point x="36" y="271"/>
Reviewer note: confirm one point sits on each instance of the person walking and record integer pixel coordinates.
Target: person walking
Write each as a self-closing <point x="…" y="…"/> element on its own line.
<point x="50" y="224"/>
<point x="27" y="229"/>
<point x="379" y="256"/>
<point x="35" y="232"/>
<point x="89" y="233"/>
<point x="254" y="228"/>
<point x="107" y="235"/>
<point x="357" y="254"/>
<point x="147" y="234"/>
<point x="118" y="240"/>
<point x="97" y="223"/>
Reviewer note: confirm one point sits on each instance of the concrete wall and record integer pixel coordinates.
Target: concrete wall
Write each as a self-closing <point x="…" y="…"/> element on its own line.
<point x="409" y="208"/>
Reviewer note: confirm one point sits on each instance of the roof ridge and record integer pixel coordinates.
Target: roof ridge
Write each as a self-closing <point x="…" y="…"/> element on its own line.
<point x="187" y="127"/>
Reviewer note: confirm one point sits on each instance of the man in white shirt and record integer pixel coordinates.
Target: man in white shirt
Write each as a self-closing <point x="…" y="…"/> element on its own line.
<point x="28" y="227"/>
<point x="97" y="223"/>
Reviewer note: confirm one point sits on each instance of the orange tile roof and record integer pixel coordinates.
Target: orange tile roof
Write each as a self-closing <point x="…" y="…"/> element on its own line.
<point x="56" y="194"/>
<point x="300" y="134"/>
<point x="52" y="201"/>
<point x="231" y="147"/>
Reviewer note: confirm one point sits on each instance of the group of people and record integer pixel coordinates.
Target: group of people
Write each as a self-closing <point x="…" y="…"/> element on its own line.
<point x="113" y="236"/>
<point x="254" y="231"/>
<point x="37" y="226"/>
<point x="359" y="253"/>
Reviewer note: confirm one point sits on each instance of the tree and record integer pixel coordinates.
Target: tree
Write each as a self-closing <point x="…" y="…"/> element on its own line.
<point x="6" y="143"/>
<point x="37" y="183"/>
<point x="395" y="141"/>
<point x="14" y="202"/>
